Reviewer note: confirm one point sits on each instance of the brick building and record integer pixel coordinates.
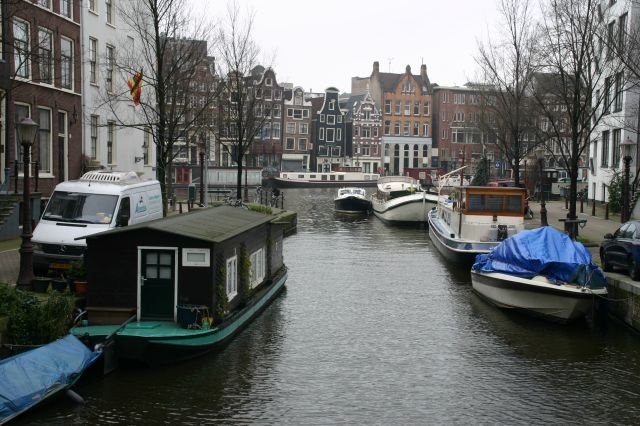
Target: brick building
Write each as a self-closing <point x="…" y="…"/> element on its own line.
<point x="44" y="65"/>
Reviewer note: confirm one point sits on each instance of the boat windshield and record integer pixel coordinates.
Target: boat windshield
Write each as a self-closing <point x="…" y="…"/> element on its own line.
<point x="77" y="207"/>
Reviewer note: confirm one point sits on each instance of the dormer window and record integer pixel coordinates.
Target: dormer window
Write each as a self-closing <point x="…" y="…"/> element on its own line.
<point x="268" y="81"/>
<point x="332" y="104"/>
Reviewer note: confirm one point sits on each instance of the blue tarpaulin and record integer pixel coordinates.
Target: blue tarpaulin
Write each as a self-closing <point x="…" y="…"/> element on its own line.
<point x="30" y="377"/>
<point x="543" y="251"/>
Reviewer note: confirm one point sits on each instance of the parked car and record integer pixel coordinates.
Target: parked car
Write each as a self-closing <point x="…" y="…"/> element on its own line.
<point x="622" y="249"/>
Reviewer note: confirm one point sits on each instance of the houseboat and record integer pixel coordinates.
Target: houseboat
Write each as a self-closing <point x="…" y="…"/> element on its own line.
<point x="184" y="285"/>
<point x="342" y="176"/>
<point x="402" y="200"/>
<point x="471" y="220"/>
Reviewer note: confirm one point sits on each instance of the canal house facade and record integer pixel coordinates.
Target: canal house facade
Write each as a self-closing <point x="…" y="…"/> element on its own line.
<point x="365" y="123"/>
<point x="296" y="150"/>
<point x="215" y="257"/>
<point x="330" y="132"/>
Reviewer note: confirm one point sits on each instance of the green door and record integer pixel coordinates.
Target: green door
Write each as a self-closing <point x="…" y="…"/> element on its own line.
<point x="157" y="284"/>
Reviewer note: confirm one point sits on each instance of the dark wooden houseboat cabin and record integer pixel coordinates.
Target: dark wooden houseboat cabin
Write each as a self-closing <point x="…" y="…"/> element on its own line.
<point x="187" y="282"/>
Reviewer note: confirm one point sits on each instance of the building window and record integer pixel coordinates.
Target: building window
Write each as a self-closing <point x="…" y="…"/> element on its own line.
<point x="457" y="135"/>
<point x="146" y="144"/>
<point x="397" y="107"/>
<point x="338" y="134"/>
<point x="332" y="105"/>
<point x="407" y="108"/>
<point x="66" y="63"/>
<point x="622" y="31"/>
<point x="356" y="130"/>
<point x="321" y="136"/>
<point x="290" y="144"/>
<point x="45" y="3"/>
<point x="617" y="100"/>
<point x="62" y="140"/>
<point x="44" y="139"/>
<point x="94" y="137"/>
<point x="21" y="42"/>
<point x="444" y="133"/>
<point x="66" y="8"/>
<point x="387" y="106"/>
<point x="322" y="118"/>
<point x="302" y="144"/>
<point x="416" y="129"/>
<point x="331" y="135"/>
<point x="291" y="127"/>
<point x="304" y="128"/>
<point x="611" y="36"/>
<point x="45" y="56"/>
<point x="387" y="127"/>
<point x="109" y="11"/>
<point x="21" y="111"/>
<point x="426" y="108"/>
<point x="277" y="110"/>
<point x="458" y="98"/>
<point x="617" y="133"/>
<point x="405" y="129"/>
<point x="110" y="142"/>
<point x="232" y="277"/>
<point x="93" y="60"/>
<point x="607" y="95"/>
<point x="425" y="129"/>
<point x="396" y="128"/>
<point x="275" y="131"/>
<point x="92" y="6"/>
<point x="109" y="63"/>
<point x="605" y="149"/>
<point x="416" y="108"/>
<point x="459" y="116"/>
<point x="331" y="119"/>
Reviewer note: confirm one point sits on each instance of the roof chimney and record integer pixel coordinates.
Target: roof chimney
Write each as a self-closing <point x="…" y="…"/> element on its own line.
<point x="408" y="70"/>
<point x="423" y="70"/>
<point x="376" y="67"/>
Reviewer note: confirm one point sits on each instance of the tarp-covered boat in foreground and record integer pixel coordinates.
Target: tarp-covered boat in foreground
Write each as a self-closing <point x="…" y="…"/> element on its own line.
<point x="31" y="377"/>
<point x="542" y="272"/>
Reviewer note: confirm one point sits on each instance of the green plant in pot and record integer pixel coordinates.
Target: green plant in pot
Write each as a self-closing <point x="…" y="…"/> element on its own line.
<point x="78" y="274"/>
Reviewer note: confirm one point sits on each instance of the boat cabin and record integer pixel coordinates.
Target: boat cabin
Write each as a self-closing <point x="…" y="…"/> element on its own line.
<point x="213" y="258"/>
<point x="483" y="213"/>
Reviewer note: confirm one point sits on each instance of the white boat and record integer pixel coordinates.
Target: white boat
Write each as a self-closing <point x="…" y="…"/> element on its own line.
<point x="401" y="200"/>
<point x="541" y="272"/>
<point x="538" y="296"/>
<point x="471" y="220"/>
<point x="352" y="200"/>
<point x="343" y="176"/>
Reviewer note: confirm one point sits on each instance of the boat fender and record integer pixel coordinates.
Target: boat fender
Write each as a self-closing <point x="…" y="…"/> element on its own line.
<point x="74" y="396"/>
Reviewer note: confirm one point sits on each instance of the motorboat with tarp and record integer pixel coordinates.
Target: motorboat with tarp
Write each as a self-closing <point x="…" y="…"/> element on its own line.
<point x="352" y="200"/>
<point x="29" y="378"/>
<point x="542" y="272"/>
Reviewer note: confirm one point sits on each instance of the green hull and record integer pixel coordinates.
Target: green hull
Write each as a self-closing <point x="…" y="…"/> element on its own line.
<point x="163" y="342"/>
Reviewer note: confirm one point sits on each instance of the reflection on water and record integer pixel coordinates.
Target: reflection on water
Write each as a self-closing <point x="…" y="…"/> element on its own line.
<point x="375" y="328"/>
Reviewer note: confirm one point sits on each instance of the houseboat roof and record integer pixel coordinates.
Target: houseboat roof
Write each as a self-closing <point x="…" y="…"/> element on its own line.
<point x="213" y="224"/>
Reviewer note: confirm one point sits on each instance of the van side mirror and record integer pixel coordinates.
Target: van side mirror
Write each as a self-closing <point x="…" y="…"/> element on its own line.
<point x="124" y="213"/>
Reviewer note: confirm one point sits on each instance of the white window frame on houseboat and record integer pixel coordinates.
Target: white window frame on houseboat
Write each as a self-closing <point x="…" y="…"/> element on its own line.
<point x="199" y="257"/>
<point x="257" y="272"/>
<point x="232" y="277"/>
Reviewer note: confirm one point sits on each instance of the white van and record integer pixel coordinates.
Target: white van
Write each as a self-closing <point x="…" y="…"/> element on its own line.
<point x="98" y="201"/>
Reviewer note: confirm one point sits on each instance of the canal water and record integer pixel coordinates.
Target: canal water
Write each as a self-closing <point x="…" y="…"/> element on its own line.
<point x="375" y="328"/>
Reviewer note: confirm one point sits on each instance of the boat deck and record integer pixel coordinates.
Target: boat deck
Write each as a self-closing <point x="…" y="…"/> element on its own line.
<point x="148" y="329"/>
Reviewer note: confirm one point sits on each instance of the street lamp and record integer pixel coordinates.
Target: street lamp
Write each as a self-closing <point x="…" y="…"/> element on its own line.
<point x="462" y="155"/>
<point x="627" y="144"/>
<point x="543" y="207"/>
<point x="27" y="129"/>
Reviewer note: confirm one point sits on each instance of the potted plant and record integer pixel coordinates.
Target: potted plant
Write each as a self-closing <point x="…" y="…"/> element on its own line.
<point x="59" y="283"/>
<point x="40" y="284"/>
<point x="79" y="276"/>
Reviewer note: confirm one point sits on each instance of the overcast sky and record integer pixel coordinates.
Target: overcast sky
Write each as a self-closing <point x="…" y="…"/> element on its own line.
<point x="321" y="43"/>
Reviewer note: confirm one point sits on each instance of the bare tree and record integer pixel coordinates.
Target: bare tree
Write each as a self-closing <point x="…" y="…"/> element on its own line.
<point x="507" y="67"/>
<point x="241" y="109"/>
<point x="578" y="81"/>
<point x="176" y="106"/>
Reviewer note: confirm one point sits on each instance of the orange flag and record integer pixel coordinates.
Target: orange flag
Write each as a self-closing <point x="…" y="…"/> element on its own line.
<point x="135" y="87"/>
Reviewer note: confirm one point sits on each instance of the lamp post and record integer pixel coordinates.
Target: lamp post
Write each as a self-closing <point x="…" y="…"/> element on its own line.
<point x="626" y="159"/>
<point x="27" y="129"/>
<point x="462" y="155"/>
<point x="543" y="206"/>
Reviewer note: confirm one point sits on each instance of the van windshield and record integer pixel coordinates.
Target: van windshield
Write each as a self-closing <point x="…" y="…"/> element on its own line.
<point x="80" y="208"/>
